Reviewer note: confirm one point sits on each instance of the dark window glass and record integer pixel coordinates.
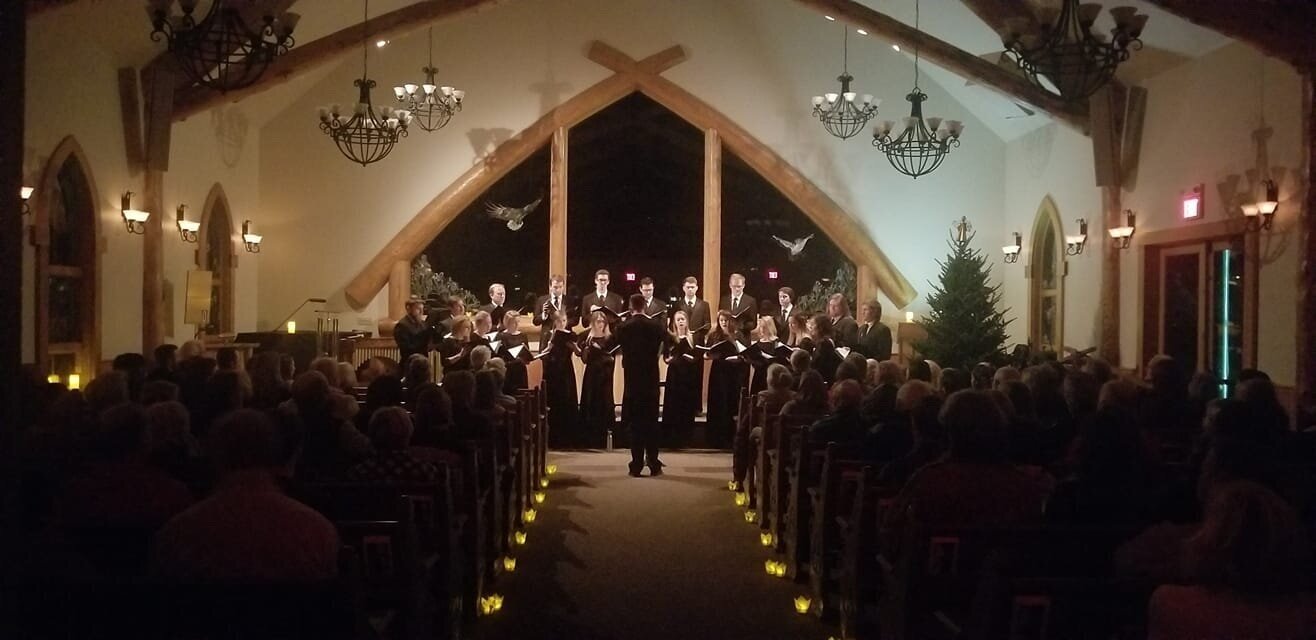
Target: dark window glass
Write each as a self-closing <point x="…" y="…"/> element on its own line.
<point x="218" y="261"/>
<point x="65" y="310"/>
<point x="1179" y="324"/>
<point x="71" y="216"/>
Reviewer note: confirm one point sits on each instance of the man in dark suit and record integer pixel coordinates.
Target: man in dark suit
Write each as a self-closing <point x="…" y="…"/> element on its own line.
<point x="786" y="304"/>
<point x="844" y="329"/>
<point x="549" y="303"/>
<point x="456" y="309"/>
<point x="599" y="297"/>
<point x="497" y="305"/>
<point x="653" y="306"/>
<point x="641" y="340"/>
<point x="874" y="337"/>
<point x="741" y="305"/>
<point x="411" y="333"/>
<point x="696" y="310"/>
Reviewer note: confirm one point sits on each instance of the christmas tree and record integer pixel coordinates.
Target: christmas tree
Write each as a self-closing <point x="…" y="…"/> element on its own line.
<point x="964" y="326"/>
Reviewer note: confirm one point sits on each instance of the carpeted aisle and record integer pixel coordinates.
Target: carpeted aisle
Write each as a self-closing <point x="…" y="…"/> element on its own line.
<point x="612" y="557"/>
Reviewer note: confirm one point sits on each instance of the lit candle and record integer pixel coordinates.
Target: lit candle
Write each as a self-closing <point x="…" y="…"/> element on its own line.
<point x="75" y="381"/>
<point x="53" y="378"/>
<point x="909" y="316"/>
<point x="292" y="326"/>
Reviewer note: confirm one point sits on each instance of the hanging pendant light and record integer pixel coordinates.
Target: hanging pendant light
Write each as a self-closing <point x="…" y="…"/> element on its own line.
<point x="1065" y="56"/>
<point x="223" y="50"/>
<point x="366" y="136"/>
<point x="923" y="144"/>
<point x="840" y="114"/>
<point x="431" y="105"/>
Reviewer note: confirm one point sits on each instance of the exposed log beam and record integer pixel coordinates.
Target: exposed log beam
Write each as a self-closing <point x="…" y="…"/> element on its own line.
<point x="303" y="58"/>
<point x="38" y="7"/>
<point x="998" y="13"/>
<point x="953" y="59"/>
<point x="1306" y="228"/>
<point x="1281" y="28"/>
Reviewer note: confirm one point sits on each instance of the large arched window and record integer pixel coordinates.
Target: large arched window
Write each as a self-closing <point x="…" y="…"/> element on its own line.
<point x="66" y="231"/>
<point x="215" y="254"/>
<point x="1047" y="280"/>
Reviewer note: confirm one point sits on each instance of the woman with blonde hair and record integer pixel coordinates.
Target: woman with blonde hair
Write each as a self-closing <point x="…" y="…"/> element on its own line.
<point x="764" y="353"/>
<point x="681" y="398"/>
<point x="597" y="404"/>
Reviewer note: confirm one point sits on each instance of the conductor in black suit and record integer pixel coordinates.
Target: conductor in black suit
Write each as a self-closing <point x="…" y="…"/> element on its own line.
<point x="599" y="297"/>
<point x="652" y="306"/>
<point x="845" y="331"/>
<point x="548" y="304"/>
<point x="741" y="305"/>
<point x="497" y="306"/>
<point x="411" y="333"/>
<point x="874" y="337"/>
<point x="641" y="340"/>
<point x="696" y="310"/>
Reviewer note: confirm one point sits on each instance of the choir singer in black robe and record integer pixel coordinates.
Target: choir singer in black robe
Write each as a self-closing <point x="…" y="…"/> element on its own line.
<point x="641" y="340"/>
<point x="697" y="315"/>
<point x="600" y="298"/>
<point x="560" y="380"/>
<point x="411" y="334"/>
<point x="653" y="307"/>
<point x="685" y="378"/>
<point x="726" y="379"/>
<point x="598" y="409"/>
<point x="743" y="307"/>
<point x="874" y="337"/>
<point x="550" y="303"/>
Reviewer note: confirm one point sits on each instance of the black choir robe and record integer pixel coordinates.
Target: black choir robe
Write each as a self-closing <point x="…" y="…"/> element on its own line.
<point x="546" y="323"/>
<point x="456" y="355"/>
<point x="496" y="312"/>
<point x="875" y="341"/>
<point x="685" y="380"/>
<point x="726" y="379"/>
<point x="658" y="309"/>
<point x="560" y="386"/>
<point x="760" y="354"/>
<point x="782" y="320"/>
<point x="641" y="340"/>
<point x="697" y="317"/>
<point x="610" y="300"/>
<point x="826" y="359"/>
<point x="845" y="332"/>
<point x="517" y="377"/>
<point x="598" y="409"/>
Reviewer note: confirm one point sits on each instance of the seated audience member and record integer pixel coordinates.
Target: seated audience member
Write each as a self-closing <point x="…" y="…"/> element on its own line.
<point x="1120" y="394"/>
<point x="771" y="400"/>
<point x="247" y="530"/>
<point x="1248" y="573"/>
<point x="1164" y="405"/>
<point x="919" y="369"/>
<point x="953" y="380"/>
<point x="418" y="373"/>
<point x="347" y="379"/>
<point x="929" y="442"/>
<point x="225" y="392"/>
<point x="1259" y="396"/>
<point x="934" y="373"/>
<point x="870" y="373"/>
<point x="498" y="369"/>
<point x="166" y="362"/>
<point x="767" y="402"/>
<point x="880" y="403"/>
<point x="119" y="489"/>
<point x="384" y="391"/>
<point x="487" y="392"/>
<point x="848" y="370"/>
<point x="801" y="362"/>
<point x="432" y="437"/>
<point x="154" y="391"/>
<point x="1112" y="479"/>
<point x="1099" y="369"/>
<point x="330" y="445"/>
<point x="107" y="390"/>
<point x="1080" y="391"/>
<point x="191" y="349"/>
<point x="467" y="423"/>
<point x="372" y="369"/>
<point x="810" y="399"/>
<point x="133" y="368"/>
<point x="1203" y="388"/>
<point x="974" y="485"/>
<point x="193" y="374"/>
<point x="980" y="377"/>
<point x="1005" y="374"/>
<point x="480" y="356"/>
<point x="170" y="445"/>
<point x="844" y="425"/>
<point x="226" y="359"/>
<point x="344" y="403"/>
<point x="1024" y="431"/>
<point x="893" y="437"/>
<point x="268" y="386"/>
<point x="392" y="462"/>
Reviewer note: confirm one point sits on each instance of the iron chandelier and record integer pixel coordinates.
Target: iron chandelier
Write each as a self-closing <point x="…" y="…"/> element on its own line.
<point x="431" y="105"/>
<point x="1065" y="56"/>
<point x="222" y="50"/>
<point x="839" y="113"/>
<point x="366" y="136"/>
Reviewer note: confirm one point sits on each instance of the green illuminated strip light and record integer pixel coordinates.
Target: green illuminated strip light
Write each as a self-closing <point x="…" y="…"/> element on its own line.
<point x="1224" y="332"/>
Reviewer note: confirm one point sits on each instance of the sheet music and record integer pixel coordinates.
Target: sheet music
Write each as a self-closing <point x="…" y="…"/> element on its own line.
<point x="515" y="352"/>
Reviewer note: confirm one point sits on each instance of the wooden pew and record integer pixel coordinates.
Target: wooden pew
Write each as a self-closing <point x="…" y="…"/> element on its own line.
<point x="804" y="472"/>
<point x="387" y="564"/>
<point x="859" y="575"/>
<point x="782" y="462"/>
<point x="842" y="471"/>
<point x="764" y="462"/>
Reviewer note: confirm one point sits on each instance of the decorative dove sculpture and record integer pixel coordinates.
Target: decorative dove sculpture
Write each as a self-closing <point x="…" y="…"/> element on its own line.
<point x="796" y="247"/>
<point x="513" y="216"/>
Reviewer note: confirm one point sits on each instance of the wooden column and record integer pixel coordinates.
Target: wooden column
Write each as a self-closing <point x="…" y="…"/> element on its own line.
<point x="865" y="284"/>
<point x="1306" y="338"/>
<point x="399" y="289"/>
<point x="153" y="262"/>
<point x="13" y="46"/>
<point x="1110" y="276"/>
<point x="557" y="204"/>
<point x="712" y="283"/>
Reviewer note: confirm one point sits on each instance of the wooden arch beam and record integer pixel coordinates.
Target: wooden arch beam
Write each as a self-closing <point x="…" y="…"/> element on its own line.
<point x="303" y="58"/>
<point x="835" y="222"/>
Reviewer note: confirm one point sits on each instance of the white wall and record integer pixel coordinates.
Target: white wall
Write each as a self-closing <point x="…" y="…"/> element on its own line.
<point x="1198" y="129"/>
<point x="72" y="89"/>
<point x="757" y="62"/>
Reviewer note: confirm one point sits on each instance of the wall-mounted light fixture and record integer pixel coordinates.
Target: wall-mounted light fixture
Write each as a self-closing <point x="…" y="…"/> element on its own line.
<point x="24" y="194"/>
<point x="251" y="240"/>
<point x="133" y="219"/>
<point x="1193" y="204"/>
<point x="1074" y="244"/>
<point x="1124" y="233"/>
<point x="187" y="229"/>
<point x="1261" y="214"/>
<point x="1012" y="251"/>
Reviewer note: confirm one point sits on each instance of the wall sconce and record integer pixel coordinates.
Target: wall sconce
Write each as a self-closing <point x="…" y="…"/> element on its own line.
<point x="1193" y="203"/>
<point x="1261" y="215"/>
<point x="133" y="219"/>
<point x="187" y="229"/>
<point x="1012" y="251"/>
<point x="1123" y="234"/>
<point x="1074" y="244"/>
<point x="25" y="193"/>
<point x="251" y="240"/>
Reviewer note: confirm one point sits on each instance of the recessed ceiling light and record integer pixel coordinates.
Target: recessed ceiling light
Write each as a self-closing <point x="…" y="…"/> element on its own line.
<point x="862" y="32"/>
<point x="830" y="19"/>
<point x="896" y="47"/>
<point x="381" y="43"/>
